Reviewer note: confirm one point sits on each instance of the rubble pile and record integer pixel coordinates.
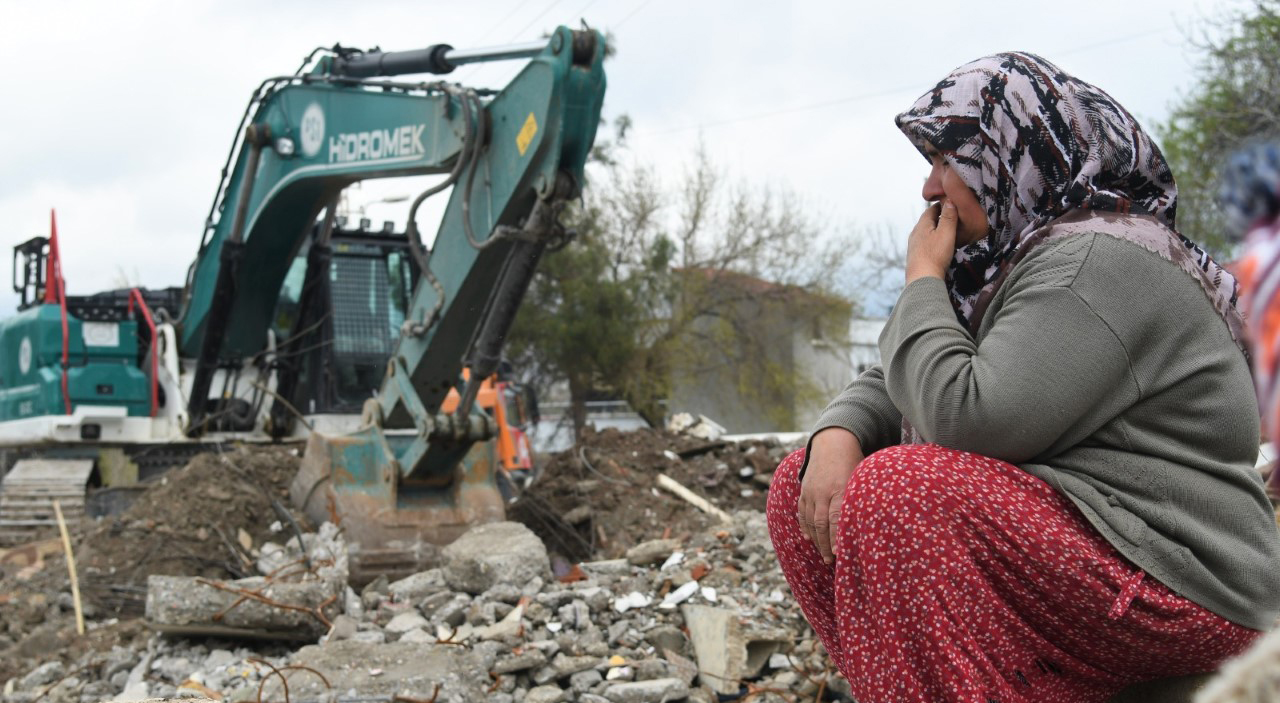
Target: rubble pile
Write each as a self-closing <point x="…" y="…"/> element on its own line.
<point x="675" y="605"/>
<point x="704" y="619"/>
<point x="206" y="519"/>
<point x="601" y="498"/>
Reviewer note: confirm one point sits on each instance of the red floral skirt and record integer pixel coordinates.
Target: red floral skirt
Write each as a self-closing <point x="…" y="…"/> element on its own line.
<point x="961" y="578"/>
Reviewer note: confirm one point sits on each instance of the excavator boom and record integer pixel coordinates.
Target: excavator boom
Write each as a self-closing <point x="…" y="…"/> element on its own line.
<point x="413" y="474"/>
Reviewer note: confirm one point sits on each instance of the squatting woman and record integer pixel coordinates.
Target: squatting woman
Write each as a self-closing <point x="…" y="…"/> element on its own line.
<point x="1046" y="492"/>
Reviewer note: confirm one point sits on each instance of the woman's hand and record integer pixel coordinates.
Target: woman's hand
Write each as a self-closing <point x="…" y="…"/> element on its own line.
<point x="833" y="454"/>
<point x="932" y="243"/>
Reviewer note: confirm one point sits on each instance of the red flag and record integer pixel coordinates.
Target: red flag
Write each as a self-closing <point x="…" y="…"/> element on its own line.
<point x="54" y="287"/>
<point x="55" y="291"/>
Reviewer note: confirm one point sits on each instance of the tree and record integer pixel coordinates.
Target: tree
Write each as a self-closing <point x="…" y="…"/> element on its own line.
<point x="652" y="285"/>
<point x="1233" y="101"/>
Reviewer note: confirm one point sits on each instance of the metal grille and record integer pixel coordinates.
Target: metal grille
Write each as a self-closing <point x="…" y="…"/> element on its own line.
<point x="363" y="329"/>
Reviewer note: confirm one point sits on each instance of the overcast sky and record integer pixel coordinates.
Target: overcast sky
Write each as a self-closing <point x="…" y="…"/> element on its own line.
<point x="120" y="114"/>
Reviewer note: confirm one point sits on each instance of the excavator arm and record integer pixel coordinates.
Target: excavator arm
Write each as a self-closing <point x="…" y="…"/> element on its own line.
<point x="513" y="158"/>
<point x="512" y="155"/>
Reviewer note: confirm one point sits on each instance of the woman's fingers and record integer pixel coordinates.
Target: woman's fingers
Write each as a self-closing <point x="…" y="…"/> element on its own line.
<point x="932" y="243"/>
<point x="947" y="221"/>
<point x="822" y="527"/>
<point x="818" y="506"/>
<point x="833" y="520"/>
<point x="804" y="515"/>
<point x="928" y="218"/>
<point x="834" y="453"/>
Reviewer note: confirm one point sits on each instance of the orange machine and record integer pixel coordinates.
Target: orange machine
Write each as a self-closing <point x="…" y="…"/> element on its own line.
<point x="505" y="403"/>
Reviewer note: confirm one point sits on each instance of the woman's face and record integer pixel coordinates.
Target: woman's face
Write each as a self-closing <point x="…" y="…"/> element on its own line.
<point x="944" y="184"/>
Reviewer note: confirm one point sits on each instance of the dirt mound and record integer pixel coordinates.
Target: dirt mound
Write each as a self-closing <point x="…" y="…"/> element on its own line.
<point x="601" y="497"/>
<point x="205" y="519"/>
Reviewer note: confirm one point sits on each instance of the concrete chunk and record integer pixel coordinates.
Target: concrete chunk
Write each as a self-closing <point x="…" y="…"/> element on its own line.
<point x="186" y="605"/>
<point x="652" y="691"/>
<point x="385" y="670"/>
<point x="528" y="659"/>
<point x="418" y="586"/>
<point x="651" y="552"/>
<point x="500" y="552"/>
<point x="544" y="694"/>
<point x="404" y="622"/>
<point x="566" y="665"/>
<point x="725" y="653"/>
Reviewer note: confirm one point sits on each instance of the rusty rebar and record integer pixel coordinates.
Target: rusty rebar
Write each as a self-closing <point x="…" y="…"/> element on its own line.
<point x="316" y="612"/>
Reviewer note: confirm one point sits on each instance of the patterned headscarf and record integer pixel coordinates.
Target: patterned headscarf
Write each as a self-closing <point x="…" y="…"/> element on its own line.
<point x="1050" y="156"/>
<point x="1034" y="143"/>
<point x="1251" y="198"/>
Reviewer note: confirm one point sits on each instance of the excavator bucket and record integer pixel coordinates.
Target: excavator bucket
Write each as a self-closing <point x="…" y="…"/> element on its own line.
<point x="395" y="525"/>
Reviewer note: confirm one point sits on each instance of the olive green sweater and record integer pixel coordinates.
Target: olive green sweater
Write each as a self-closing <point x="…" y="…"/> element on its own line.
<point x="1102" y="369"/>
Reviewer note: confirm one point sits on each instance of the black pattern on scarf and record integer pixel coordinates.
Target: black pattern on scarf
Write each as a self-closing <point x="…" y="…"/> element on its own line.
<point x="1038" y="146"/>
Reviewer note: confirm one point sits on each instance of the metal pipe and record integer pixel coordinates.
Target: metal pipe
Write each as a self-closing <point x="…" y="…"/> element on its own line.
<point x="459" y="57"/>
<point x="256" y="136"/>
<point x="438" y="59"/>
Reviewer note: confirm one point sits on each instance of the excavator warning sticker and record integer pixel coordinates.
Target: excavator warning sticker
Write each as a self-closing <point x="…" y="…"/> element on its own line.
<point x="525" y="137"/>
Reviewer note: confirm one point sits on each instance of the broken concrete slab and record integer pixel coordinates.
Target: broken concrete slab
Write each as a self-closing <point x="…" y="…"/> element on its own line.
<point x="726" y="653"/>
<point x="654" y="551"/>
<point x="404" y="622"/>
<point x="250" y="607"/>
<point x="418" y="586"/>
<point x="383" y="670"/>
<point x="528" y="659"/>
<point x="651" y="691"/>
<point x="499" y="552"/>
<point x="545" y="694"/>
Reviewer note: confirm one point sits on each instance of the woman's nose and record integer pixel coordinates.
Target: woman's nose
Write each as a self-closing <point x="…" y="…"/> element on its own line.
<point x="933" y="185"/>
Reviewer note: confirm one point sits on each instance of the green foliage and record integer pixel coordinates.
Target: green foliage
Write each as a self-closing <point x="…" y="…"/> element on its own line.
<point x="577" y="321"/>
<point x="765" y="375"/>
<point x="663" y="282"/>
<point x="1234" y="100"/>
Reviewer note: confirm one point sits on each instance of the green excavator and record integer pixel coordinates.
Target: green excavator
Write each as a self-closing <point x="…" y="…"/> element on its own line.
<point x="91" y="386"/>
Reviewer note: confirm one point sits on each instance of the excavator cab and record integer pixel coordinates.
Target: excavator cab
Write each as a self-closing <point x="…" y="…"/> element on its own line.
<point x="336" y="339"/>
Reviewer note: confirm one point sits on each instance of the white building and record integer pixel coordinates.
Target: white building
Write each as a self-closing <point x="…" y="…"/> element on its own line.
<point x="864" y="344"/>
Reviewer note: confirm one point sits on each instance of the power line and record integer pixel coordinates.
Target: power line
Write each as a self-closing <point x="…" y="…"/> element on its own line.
<point x="787" y="110"/>
<point x="870" y="96"/>
<point x="1117" y="40"/>
<point x="633" y="13"/>
<point x="586" y="7"/>
<point x="537" y="17"/>
<point x="511" y="13"/>
<point x="476" y="67"/>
